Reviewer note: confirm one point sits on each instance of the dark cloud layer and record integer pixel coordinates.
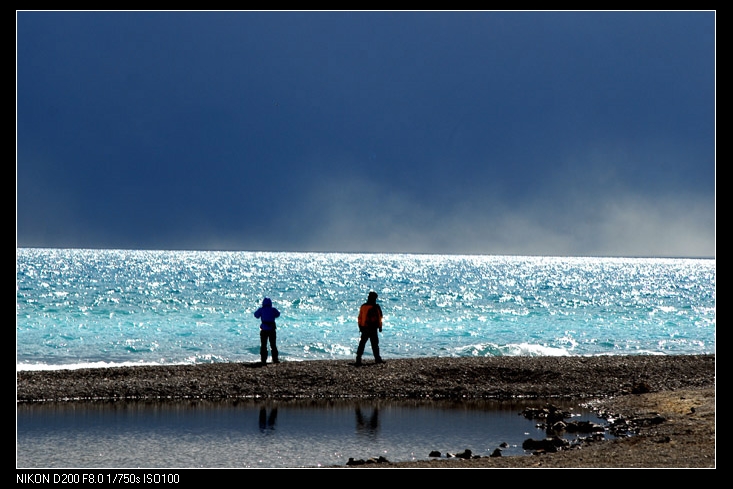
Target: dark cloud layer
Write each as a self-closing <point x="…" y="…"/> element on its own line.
<point x="550" y="133"/>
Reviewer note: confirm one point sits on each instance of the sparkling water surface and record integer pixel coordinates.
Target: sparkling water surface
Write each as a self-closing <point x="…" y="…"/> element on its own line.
<point x="119" y="307"/>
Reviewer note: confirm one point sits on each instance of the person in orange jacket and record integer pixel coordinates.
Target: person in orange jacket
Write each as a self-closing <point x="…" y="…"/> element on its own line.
<point x="370" y="325"/>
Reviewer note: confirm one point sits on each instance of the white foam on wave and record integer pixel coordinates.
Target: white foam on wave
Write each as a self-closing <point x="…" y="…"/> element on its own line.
<point x="530" y="350"/>
<point x="75" y="366"/>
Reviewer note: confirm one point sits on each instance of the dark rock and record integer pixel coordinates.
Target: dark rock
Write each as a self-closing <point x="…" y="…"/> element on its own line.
<point x="641" y="388"/>
<point x="547" y="445"/>
<point x="550" y="413"/>
<point x="434" y="453"/>
<point x="371" y="460"/>
<point x="496" y="453"/>
<point x="377" y="460"/>
<point x="583" y="427"/>
<point x="649" y="420"/>
<point x="557" y="427"/>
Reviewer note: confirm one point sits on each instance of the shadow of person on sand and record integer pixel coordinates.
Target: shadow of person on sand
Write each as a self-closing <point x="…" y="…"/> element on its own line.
<point x="253" y="365"/>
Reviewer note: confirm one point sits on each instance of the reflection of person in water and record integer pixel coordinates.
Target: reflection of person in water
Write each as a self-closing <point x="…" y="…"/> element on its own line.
<point x="267" y="422"/>
<point x="367" y="426"/>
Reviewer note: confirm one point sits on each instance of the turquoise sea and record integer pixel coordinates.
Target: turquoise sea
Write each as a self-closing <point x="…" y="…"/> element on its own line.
<point x="78" y="308"/>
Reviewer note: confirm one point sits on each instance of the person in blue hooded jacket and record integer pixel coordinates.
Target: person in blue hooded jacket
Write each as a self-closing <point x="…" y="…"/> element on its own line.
<point x="267" y="315"/>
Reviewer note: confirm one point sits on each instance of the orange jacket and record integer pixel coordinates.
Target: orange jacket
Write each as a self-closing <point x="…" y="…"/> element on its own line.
<point x="364" y="313"/>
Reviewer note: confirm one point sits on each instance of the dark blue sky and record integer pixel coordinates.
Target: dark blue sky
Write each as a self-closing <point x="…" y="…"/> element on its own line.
<point x="543" y="133"/>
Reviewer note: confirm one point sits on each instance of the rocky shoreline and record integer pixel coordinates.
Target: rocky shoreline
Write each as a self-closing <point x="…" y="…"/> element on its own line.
<point x="678" y="391"/>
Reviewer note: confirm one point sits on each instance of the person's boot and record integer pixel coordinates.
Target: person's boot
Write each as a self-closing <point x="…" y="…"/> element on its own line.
<point x="263" y="355"/>
<point x="377" y="356"/>
<point x="358" y="360"/>
<point x="275" y="357"/>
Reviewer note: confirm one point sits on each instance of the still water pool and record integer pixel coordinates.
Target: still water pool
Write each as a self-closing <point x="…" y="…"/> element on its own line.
<point x="269" y="434"/>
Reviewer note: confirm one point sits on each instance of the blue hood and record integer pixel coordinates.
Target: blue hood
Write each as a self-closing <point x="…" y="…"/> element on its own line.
<point x="266" y="302"/>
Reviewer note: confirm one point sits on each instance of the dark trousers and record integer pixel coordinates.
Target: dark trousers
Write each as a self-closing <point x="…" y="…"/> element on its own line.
<point x="371" y="335"/>
<point x="265" y="336"/>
